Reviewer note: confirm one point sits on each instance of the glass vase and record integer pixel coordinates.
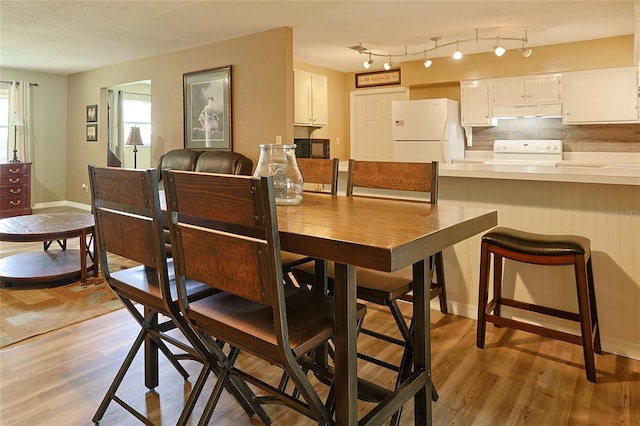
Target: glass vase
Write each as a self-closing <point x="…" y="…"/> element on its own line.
<point x="279" y="161"/>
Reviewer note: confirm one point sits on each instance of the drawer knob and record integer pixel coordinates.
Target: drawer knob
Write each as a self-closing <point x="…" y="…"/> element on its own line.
<point x="15" y="190"/>
<point x="14" y="180"/>
<point x="15" y="203"/>
<point x="14" y="171"/>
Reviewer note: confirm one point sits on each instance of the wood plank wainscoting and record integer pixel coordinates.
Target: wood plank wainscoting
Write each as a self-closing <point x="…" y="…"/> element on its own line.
<point x="60" y="377"/>
<point x="607" y="214"/>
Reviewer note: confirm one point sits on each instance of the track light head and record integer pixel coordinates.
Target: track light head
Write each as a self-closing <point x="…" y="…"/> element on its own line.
<point x="387" y="65"/>
<point x="526" y="52"/>
<point x="457" y="55"/>
<point x="367" y="64"/>
<point x="497" y="49"/>
<point x="427" y="62"/>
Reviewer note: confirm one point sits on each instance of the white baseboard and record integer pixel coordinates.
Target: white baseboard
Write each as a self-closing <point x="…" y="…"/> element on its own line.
<point x="63" y="203"/>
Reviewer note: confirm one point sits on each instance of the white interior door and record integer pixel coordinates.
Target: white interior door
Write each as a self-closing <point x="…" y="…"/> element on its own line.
<point x="371" y="123"/>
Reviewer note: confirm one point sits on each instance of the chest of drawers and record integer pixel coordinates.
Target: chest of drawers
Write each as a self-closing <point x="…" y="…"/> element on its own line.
<point x="15" y="189"/>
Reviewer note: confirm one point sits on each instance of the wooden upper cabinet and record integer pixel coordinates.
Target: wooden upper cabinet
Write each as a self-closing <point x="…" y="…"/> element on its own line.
<point x="601" y="96"/>
<point x="310" y="99"/>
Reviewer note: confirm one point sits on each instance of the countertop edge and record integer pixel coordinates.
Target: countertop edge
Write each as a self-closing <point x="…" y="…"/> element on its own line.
<point x="606" y="176"/>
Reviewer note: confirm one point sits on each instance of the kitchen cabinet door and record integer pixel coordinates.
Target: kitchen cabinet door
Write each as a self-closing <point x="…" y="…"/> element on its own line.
<point x="601" y="96"/>
<point x="542" y="89"/>
<point x="310" y="99"/>
<point x="474" y="104"/>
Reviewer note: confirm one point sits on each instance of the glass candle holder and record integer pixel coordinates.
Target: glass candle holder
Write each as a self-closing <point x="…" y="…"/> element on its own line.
<point x="279" y="161"/>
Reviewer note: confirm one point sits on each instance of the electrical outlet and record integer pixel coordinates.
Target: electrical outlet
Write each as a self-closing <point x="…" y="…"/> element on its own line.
<point x="85" y="187"/>
<point x="337" y="141"/>
<point x="278" y="139"/>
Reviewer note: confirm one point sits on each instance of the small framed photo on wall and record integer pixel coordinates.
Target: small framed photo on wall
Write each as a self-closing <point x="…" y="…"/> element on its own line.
<point x="92" y="132"/>
<point x="92" y="113"/>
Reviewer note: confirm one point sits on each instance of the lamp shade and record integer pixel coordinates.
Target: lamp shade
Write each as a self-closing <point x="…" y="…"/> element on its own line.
<point x="134" y="137"/>
<point x="16" y="120"/>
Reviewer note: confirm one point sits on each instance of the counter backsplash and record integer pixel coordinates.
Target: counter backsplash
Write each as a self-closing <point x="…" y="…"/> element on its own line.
<point x="585" y="138"/>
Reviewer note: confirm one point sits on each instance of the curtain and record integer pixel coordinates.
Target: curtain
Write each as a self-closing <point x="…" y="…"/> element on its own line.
<point x="20" y="105"/>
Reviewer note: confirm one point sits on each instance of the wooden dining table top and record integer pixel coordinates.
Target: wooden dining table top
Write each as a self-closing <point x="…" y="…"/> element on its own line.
<point x="380" y="234"/>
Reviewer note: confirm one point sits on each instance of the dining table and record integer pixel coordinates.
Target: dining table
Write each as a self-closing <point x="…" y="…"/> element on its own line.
<point x="385" y="235"/>
<point x="381" y="234"/>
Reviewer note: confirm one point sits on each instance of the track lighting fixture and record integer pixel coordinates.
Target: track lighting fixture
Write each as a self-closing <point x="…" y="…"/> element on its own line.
<point x="525" y="52"/>
<point x="457" y="55"/>
<point x="498" y="49"/>
<point x="367" y="64"/>
<point x="387" y="65"/>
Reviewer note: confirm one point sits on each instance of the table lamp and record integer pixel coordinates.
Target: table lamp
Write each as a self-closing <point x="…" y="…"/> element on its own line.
<point x="135" y="140"/>
<point x="15" y="121"/>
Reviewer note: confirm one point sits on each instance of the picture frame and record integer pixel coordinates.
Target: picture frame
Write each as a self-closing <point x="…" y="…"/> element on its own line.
<point x="378" y="78"/>
<point x="92" y="132"/>
<point x="92" y="113"/>
<point x="207" y="109"/>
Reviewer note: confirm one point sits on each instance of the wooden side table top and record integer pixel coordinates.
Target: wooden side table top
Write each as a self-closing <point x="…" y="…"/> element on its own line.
<point x="45" y="226"/>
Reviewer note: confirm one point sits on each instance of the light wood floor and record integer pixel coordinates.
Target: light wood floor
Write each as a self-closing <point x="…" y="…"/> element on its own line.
<point x="518" y="379"/>
<point x="59" y="379"/>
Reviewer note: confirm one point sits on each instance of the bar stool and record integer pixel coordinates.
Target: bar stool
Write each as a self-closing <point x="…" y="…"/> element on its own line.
<point x="540" y="249"/>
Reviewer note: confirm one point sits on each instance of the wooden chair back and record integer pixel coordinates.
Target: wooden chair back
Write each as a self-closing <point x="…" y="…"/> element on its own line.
<point x="322" y="172"/>
<point x="225" y="234"/>
<point x="395" y="176"/>
<point x="127" y="215"/>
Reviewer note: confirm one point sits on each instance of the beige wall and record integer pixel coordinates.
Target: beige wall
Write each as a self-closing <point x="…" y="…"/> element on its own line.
<point x="337" y="129"/>
<point x="593" y="54"/>
<point x="442" y="80"/>
<point x="49" y="177"/>
<point x="262" y="91"/>
<point x="262" y="98"/>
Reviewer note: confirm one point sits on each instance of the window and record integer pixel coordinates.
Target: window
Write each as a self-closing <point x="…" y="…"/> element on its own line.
<point x="136" y="111"/>
<point x="4" y="124"/>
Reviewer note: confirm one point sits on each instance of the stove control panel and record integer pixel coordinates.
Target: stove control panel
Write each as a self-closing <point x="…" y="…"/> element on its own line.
<point x="537" y="150"/>
<point x="551" y="146"/>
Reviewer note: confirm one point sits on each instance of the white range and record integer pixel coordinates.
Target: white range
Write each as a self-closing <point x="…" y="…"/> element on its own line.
<point x="546" y="152"/>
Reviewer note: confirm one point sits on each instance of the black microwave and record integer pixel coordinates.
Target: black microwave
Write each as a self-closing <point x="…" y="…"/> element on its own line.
<point x="312" y="148"/>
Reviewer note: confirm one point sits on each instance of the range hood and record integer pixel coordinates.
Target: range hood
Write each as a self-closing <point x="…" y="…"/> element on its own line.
<point x="525" y="111"/>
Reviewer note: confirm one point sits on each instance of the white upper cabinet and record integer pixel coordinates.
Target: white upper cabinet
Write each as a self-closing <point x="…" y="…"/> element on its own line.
<point x="601" y="96"/>
<point x="475" y="109"/>
<point x="310" y="99"/>
<point x="542" y="89"/>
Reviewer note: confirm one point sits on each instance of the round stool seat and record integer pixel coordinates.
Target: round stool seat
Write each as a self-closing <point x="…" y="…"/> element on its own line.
<point x="537" y="244"/>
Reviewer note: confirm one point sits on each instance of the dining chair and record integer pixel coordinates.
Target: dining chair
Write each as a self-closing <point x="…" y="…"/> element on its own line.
<point x="320" y="175"/>
<point x="225" y="232"/>
<point x="415" y="181"/>
<point x="129" y="224"/>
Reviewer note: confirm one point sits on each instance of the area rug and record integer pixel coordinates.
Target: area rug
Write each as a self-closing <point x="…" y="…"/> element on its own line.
<point x="28" y="312"/>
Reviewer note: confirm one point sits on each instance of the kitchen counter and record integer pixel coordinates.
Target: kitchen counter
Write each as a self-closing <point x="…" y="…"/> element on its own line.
<point x="567" y="171"/>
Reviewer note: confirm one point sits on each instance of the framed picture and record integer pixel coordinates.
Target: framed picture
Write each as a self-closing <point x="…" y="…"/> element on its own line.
<point x="207" y="109"/>
<point x="378" y="78"/>
<point x="92" y="113"/>
<point x="92" y="132"/>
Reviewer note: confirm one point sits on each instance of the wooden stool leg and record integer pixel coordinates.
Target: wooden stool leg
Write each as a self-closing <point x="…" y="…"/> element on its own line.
<point x="594" y="311"/>
<point x="483" y="295"/>
<point x="585" y="317"/>
<point x="497" y="284"/>
<point x="439" y="267"/>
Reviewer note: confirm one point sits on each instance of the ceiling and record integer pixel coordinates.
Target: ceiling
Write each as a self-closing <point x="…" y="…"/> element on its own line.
<point x="65" y="37"/>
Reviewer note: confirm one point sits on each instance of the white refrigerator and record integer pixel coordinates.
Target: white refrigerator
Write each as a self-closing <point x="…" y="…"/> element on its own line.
<point x="426" y="130"/>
